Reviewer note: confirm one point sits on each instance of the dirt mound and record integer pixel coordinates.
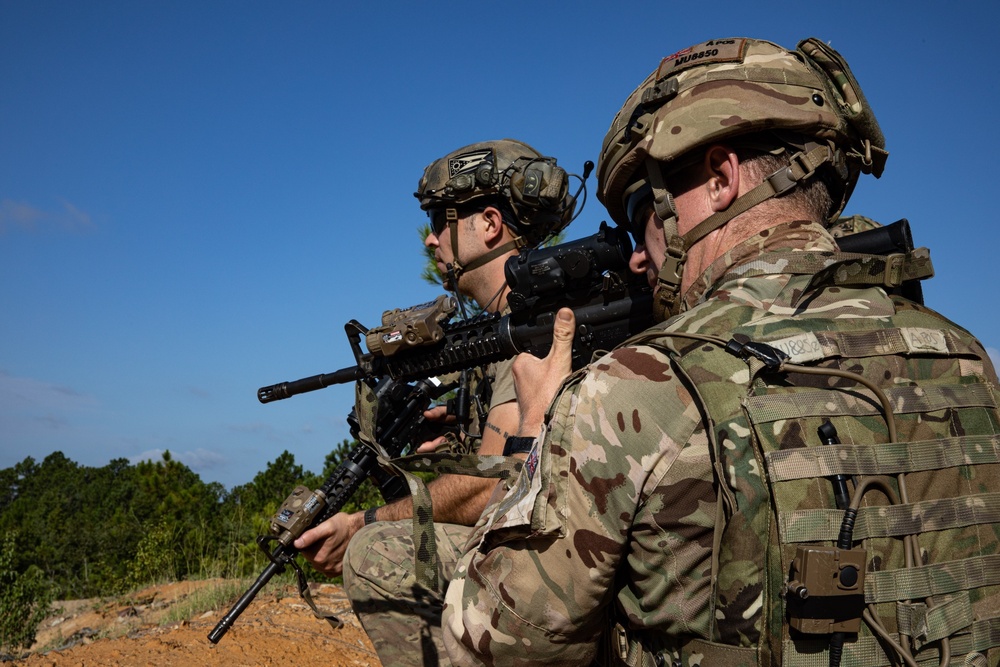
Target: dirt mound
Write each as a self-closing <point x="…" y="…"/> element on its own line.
<point x="151" y="628"/>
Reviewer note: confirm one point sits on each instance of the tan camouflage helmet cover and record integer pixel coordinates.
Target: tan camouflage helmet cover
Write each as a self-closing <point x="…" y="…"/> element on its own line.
<point x="534" y="186"/>
<point x="727" y="88"/>
<point x="852" y="224"/>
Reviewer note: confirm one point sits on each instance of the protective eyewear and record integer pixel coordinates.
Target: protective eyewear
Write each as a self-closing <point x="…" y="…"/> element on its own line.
<point x="638" y="202"/>
<point x="439" y="221"/>
<point x="439" y="217"/>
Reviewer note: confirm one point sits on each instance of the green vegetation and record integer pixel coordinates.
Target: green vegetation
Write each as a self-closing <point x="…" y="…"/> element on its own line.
<point x="430" y="273"/>
<point x="25" y="598"/>
<point x="213" y="598"/>
<point x="88" y="532"/>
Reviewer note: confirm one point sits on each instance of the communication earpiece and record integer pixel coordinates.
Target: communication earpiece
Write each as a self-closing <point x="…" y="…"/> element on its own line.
<point x="540" y="184"/>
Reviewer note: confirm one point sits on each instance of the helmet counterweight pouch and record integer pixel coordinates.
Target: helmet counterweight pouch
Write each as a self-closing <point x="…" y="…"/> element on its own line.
<point x="846" y="93"/>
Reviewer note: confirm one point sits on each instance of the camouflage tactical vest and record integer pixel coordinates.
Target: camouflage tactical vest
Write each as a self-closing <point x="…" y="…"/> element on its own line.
<point x="931" y="468"/>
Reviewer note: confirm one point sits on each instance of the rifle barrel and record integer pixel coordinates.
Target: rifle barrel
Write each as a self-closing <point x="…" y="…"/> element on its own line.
<point x="277" y="392"/>
<point x="222" y="627"/>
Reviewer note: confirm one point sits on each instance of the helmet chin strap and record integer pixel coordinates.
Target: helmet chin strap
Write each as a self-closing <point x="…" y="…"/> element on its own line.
<point x="457" y="267"/>
<point x="802" y="166"/>
<point x="667" y="299"/>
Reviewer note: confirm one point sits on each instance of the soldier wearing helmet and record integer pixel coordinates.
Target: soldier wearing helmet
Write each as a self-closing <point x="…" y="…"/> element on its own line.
<point x="769" y="108"/>
<point x="485" y="202"/>
<point x="676" y="507"/>
<point x="518" y="194"/>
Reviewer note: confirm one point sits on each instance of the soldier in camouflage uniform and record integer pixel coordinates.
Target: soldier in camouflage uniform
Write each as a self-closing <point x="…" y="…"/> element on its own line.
<point x="676" y="494"/>
<point x="485" y="202"/>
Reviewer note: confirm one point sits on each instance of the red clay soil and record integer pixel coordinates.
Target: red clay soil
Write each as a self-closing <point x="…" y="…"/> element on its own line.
<point x="277" y="629"/>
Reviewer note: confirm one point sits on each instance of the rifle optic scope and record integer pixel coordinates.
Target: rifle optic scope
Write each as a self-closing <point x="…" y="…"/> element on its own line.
<point x="556" y="272"/>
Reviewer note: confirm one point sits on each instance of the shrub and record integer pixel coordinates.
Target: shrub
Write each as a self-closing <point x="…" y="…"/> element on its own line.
<point x="154" y="559"/>
<point x="25" y="598"/>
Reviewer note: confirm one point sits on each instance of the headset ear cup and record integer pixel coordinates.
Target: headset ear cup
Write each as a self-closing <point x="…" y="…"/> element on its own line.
<point x="526" y="184"/>
<point x="541" y="185"/>
<point x="538" y="190"/>
<point x="556" y="188"/>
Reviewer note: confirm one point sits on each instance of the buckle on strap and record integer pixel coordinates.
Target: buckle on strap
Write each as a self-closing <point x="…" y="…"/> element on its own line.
<point x="802" y="165"/>
<point x="893" y="274"/>
<point x="673" y="265"/>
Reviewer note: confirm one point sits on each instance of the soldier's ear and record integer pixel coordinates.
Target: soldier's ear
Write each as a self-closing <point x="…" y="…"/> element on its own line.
<point x="492" y="221"/>
<point x="723" y="168"/>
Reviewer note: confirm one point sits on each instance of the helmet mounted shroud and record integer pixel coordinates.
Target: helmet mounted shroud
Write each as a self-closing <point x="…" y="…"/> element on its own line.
<point x="531" y="191"/>
<point x="805" y="104"/>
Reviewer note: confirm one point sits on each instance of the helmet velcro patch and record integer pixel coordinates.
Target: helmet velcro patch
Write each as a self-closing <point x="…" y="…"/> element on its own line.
<point x="712" y="51"/>
<point x="467" y="162"/>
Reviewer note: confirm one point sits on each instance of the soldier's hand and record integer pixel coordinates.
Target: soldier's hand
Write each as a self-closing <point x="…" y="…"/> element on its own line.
<point x="438" y="413"/>
<point x="324" y="546"/>
<point x="536" y="381"/>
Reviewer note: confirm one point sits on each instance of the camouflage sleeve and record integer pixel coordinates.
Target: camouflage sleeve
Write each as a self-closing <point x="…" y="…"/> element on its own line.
<point x="593" y="502"/>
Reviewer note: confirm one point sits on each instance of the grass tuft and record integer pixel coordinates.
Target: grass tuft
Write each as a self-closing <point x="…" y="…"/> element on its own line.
<point x="210" y="598"/>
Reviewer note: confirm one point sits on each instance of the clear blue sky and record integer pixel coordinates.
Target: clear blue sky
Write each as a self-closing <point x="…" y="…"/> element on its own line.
<point x="196" y="196"/>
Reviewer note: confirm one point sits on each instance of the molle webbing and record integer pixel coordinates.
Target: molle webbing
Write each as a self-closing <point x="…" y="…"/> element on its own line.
<point x="840" y="268"/>
<point x="770" y="457"/>
<point x="925" y="624"/>
<point x="936" y="579"/>
<point x="886" y="270"/>
<point x="887" y="458"/>
<point x="813" y="346"/>
<point x="860" y="402"/>
<point x="818" y="525"/>
<point x="864" y="652"/>
<point x="867" y="652"/>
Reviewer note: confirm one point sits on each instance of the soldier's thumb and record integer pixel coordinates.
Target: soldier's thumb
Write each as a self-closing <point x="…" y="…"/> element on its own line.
<point x="562" y="332"/>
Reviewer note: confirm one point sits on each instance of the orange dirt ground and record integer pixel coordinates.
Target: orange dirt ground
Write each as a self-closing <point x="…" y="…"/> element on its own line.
<point x="277" y="629"/>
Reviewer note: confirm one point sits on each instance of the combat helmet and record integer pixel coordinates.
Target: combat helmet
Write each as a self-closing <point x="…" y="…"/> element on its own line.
<point x="533" y="187"/>
<point x="807" y="103"/>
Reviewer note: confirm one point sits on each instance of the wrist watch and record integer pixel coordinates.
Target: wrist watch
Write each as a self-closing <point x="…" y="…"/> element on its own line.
<point x="517" y="444"/>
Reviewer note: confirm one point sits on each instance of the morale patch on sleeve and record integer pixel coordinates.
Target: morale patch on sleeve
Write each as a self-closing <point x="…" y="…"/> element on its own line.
<point x="531" y="463"/>
<point x="712" y="51"/>
<point x="800" y="348"/>
<point x="925" y="340"/>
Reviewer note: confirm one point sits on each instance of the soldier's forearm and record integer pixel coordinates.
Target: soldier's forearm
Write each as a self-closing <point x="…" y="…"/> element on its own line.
<point x="456" y="499"/>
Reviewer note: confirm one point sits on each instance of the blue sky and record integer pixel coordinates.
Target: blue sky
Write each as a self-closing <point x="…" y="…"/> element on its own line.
<point x="196" y="196"/>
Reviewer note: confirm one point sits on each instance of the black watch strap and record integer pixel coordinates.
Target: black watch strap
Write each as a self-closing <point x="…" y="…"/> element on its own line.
<point x="517" y="444"/>
<point x="370" y="517"/>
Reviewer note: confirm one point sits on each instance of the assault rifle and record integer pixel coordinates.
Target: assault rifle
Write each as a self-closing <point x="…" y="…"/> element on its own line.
<point x="303" y="509"/>
<point x="590" y="275"/>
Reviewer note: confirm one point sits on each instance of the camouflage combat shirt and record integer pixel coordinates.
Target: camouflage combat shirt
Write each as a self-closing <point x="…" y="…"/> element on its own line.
<point x="612" y="517"/>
